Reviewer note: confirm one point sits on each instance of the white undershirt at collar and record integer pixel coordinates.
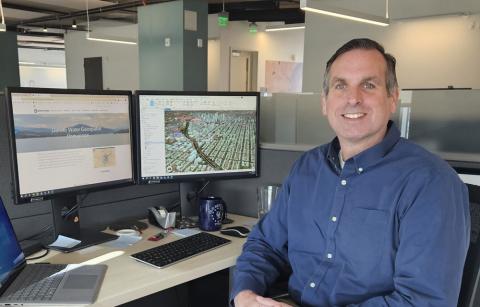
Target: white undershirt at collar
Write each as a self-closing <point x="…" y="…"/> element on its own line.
<point x="340" y="159"/>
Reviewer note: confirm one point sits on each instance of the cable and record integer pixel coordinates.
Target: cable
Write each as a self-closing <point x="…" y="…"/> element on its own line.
<point x="75" y="207"/>
<point x="47" y="250"/>
<point x="203" y="188"/>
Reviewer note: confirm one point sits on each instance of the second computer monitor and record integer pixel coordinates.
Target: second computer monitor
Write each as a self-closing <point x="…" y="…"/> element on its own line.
<point x="197" y="135"/>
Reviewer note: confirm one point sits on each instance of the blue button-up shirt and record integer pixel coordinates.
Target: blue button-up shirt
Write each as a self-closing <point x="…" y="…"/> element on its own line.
<point x="391" y="228"/>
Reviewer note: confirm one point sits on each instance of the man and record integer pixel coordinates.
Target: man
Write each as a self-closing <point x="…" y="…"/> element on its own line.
<point x="369" y="219"/>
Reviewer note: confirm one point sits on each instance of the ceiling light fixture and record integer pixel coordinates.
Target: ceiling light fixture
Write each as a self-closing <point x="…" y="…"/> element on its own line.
<point x="317" y="7"/>
<point x="45" y="29"/>
<point x="288" y="27"/>
<point x="3" y="26"/>
<point x="222" y="20"/>
<point x="74" y="24"/>
<point x="104" y="40"/>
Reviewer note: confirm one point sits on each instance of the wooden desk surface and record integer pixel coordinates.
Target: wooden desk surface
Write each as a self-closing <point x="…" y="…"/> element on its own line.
<point x="127" y="279"/>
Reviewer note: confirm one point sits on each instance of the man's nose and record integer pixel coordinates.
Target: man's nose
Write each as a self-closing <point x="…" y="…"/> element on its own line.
<point x="354" y="95"/>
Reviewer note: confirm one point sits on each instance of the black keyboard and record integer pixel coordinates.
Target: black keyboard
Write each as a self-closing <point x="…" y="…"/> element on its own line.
<point x="170" y="253"/>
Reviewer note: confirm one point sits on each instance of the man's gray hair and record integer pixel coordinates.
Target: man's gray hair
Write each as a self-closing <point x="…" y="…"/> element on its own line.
<point x="366" y="44"/>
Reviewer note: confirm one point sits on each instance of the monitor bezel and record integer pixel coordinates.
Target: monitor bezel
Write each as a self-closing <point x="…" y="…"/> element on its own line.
<point x="17" y="198"/>
<point x="199" y="177"/>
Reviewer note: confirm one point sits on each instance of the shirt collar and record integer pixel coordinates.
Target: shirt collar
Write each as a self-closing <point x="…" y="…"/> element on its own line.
<point x="369" y="156"/>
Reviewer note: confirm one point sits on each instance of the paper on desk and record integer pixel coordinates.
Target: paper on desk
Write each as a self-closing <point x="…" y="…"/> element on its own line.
<point x="65" y="242"/>
<point x="123" y="241"/>
<point x="186" y="232"/>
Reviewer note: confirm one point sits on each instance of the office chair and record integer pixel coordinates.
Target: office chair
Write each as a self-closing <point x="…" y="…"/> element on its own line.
<point x="470" y="292"/>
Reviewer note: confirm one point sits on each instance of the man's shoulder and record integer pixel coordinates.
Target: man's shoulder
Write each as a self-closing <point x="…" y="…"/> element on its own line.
<point x="422" y="159"/>
<point x="317" y="153"/>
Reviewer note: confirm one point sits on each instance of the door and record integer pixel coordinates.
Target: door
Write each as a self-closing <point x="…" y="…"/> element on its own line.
<point x="93" y="73"/>
<point x="243" y="70"/>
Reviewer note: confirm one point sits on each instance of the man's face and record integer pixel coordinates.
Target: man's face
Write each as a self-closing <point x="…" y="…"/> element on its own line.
<point x="358" y="106"/>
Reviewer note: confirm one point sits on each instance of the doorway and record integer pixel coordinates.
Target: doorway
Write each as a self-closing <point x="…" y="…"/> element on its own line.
<point x="93" y="73"/>
<point x="243" y="70"/>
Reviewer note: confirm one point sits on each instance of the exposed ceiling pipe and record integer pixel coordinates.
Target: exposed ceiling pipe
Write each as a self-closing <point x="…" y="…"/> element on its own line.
<point x="81" y="13"/>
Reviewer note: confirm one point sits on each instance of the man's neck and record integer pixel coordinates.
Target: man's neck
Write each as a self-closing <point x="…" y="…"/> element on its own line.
<point x="350" y="149"/>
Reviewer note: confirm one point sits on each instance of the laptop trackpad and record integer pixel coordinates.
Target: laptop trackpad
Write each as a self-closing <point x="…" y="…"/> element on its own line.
<point x="77" y="281"/>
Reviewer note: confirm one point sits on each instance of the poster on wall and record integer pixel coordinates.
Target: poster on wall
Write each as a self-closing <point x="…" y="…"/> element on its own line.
<point x="283" y="77"/>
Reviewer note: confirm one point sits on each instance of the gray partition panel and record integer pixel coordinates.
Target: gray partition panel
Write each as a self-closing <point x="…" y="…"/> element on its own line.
<point x="241" y="194"/>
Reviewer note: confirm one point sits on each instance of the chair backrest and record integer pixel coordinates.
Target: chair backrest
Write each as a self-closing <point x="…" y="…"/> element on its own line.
<point x="470" y="291"/>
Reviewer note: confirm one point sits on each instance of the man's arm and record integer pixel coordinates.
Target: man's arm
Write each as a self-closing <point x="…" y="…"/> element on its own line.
<point x="433" y="235"/>
<point x="264" y="254"/>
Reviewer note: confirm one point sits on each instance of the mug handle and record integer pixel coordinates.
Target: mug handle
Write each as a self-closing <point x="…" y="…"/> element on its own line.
<point x="224" y="205"/>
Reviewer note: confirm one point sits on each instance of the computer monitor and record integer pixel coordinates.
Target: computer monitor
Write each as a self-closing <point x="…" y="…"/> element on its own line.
<point x="192" y="136"/>
<point x="65" y="143"/>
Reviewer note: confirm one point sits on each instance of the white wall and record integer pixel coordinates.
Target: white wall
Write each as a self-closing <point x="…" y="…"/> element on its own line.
<point x="38" y="76"/>
<point x="278" y="46"/>
<point x="120" y="62"/>
<point x="430" y="52"/>
<point x="46" y="68"/>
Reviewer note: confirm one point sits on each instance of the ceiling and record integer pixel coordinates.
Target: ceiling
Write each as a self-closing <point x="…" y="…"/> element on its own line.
<point x="29" y="17"/>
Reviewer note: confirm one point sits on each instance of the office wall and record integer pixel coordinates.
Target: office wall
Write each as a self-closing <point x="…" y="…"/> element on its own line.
<point x="120" y="62"/>
<point x="43" y="76"/>
<point x="277" y="46"/>
<point x="430" y="52"/>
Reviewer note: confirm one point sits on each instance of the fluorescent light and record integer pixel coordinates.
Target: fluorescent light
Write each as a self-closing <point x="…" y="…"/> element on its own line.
<point x="316" y="7"/>
<point x="284" y="27"/>
<point x="105" y="40"/>
<point x="26" y="63"/>
<point x="3" y="26"/>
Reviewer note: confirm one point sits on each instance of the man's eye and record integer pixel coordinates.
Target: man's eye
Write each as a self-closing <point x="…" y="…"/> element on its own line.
<point x="339" y="86"/>
<point x="368" y="85"/>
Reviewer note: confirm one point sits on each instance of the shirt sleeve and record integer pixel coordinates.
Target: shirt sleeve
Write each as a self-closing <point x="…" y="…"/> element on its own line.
<point x="433" y="239"/>
<point x="264" y="254"/>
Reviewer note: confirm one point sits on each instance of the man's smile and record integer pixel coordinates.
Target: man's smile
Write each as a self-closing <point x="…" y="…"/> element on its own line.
<point x="354" y="115"/>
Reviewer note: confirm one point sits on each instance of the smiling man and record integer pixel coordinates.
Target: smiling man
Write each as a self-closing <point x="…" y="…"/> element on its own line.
<point x="368" y="219"/>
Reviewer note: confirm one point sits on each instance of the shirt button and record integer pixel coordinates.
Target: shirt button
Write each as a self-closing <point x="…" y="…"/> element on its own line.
<point x="343" y="182"/>
<point x="312" y="285"/>
<point x="334" y="218"/>
<point x="329" y="256"/>
<point x="360" y="169"/>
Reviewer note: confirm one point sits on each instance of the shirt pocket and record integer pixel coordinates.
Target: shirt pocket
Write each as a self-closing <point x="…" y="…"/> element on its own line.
<point x="361" y="237"/>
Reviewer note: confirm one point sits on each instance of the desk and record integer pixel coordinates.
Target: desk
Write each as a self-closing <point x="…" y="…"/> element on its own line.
<point x="127" y="280"/>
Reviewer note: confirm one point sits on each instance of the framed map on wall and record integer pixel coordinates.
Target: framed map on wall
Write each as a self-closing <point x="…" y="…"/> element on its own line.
<point x="283" y="77"/>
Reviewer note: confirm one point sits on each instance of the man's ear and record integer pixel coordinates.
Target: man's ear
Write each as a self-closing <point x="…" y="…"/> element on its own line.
<point x="324" y="104"/>
<point x="394" y="100"/>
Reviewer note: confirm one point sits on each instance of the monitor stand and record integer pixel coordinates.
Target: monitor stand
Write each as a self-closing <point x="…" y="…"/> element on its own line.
<point x="66" y="222"/>
<point x="189" y="198"/>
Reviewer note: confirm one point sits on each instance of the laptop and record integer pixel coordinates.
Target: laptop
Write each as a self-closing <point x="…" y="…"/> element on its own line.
<point x="42" y="284"/>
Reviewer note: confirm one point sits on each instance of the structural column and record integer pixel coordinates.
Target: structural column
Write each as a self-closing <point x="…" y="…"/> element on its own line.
<point x="172" y="39"/>
<point x="9" y="74"/>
